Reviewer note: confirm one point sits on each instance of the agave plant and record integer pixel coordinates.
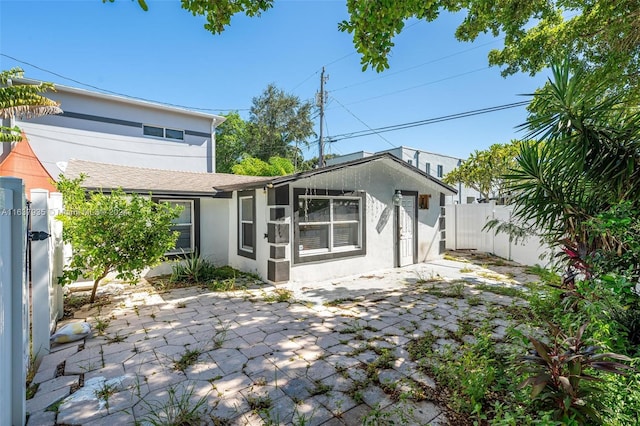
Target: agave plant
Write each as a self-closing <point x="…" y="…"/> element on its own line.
<point x="559" y="372"/>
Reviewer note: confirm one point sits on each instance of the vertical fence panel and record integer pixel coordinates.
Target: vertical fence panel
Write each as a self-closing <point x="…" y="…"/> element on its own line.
<point x="501" y="243"/>
<point x="40" y="275"/>
<point x="19" y="316"/>
<point x="57" y="257"/>
<point x="450" y="229"/>
<point x="465" y="224"/>
<point x="470" y="219"/>
<point x="6" y="206"/>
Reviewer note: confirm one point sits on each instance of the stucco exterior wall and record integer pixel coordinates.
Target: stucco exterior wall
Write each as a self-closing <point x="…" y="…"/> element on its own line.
<point x="259" y="264"/>
<point x="109" y="130"/>
<point x="380" y="182"/>
<point x="214" y="229"/>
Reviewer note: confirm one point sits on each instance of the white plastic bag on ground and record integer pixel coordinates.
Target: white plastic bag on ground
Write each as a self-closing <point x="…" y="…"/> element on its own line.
<point x="71" y="332"/>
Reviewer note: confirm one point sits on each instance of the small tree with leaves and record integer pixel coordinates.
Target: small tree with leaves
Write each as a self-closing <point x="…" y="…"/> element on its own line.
<point x="117" y="232"/>
<point x="484" y="170"/>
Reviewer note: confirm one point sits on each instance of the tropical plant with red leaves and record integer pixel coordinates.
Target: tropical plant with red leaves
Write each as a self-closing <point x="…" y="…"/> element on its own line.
<point x="560" y="372"/>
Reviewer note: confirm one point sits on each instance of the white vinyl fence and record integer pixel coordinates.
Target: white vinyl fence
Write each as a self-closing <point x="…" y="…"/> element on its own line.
<point x="45" y="305"/>
<point x="464" y="231"/>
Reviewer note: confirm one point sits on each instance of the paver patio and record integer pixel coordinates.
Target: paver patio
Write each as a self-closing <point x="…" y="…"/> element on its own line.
<point x="254" y="361"/>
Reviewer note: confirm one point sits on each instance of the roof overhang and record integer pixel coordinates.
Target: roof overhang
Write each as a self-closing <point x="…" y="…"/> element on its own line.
<point x="386" y="157"/>
<point x="215" y="119"/>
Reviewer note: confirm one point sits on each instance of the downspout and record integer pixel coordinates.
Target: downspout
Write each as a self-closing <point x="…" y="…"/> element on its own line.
<point x="211" y="147"/>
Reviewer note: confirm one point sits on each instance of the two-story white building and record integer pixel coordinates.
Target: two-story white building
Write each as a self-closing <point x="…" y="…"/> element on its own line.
<point x="119" y="130"/>
<point x="436" y="165"/>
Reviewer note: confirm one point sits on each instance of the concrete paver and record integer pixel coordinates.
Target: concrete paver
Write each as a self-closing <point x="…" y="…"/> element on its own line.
<point x="257" y="362"/>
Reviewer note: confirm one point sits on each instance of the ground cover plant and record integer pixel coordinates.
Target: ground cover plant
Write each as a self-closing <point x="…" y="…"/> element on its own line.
<point x="573" y="360"/>
<point x="190" y="269"/>
<point x="560" y="363"/>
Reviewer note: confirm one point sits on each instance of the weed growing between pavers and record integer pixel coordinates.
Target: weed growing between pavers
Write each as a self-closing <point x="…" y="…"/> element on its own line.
<point x="221" y="334"/>
<point x="187" y="359"/>
<point x="105" y="392"/>
<point x="455" y="289"/>
<point x="377" y="416"/>
<point x="259" y="403"/>
<point x="101" y="325"/>
<point x="178" y="409"/>
<point x="279" y="295"/>
<point x="501" y="290"/>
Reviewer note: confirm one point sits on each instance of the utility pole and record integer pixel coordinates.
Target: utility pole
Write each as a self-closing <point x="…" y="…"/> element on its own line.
<point x="320" y="100"/>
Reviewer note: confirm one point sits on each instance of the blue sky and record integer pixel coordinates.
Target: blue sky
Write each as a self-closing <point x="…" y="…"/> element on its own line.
<point x="166" y="55"/>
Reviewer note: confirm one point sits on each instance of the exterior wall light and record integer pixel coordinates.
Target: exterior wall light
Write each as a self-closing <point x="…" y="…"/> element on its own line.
<point x="397" y="198"/>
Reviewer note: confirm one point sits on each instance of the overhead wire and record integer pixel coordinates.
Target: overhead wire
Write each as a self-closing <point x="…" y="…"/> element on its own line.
<point x="366" y="125"/>
<point x="118" y="93"/>
<point x="417" y="86"/>
<point x="432" y="61"/>
<point x="391" y="128"/>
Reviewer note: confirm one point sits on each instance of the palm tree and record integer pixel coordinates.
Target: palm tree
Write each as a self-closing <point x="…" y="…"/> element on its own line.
<point x="585" y="160"/>
<point x="22" y="101"/>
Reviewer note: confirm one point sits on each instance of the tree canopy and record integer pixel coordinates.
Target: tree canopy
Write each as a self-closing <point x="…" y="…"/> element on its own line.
<point x="22" y="101"/>
<point x="484" y="170"/>
<point x="231" y="138"/>
<point x="251" y="166"/>
<point x="278" y="124"/>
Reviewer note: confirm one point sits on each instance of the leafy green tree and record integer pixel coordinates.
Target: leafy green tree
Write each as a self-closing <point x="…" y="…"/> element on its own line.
<point x="278" y="123"/>
<point x="117" y="232"/>
<point x="22" y="101"/>
<point x="230" y="142"/>
<point x="251" y="166"/>
<point x="484" y="170"/>
<point x="586" y="160"/>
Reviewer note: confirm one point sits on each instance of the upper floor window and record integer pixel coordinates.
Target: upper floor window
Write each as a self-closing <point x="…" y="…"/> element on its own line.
<point x="428" y="168"/>
<point x="440" y="170"/>
<point x="162" y="132"/>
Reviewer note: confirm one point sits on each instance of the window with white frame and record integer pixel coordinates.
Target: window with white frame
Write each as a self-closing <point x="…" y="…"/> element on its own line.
<point x="162" y="132"/>
<point x="329" y="224"/>
<point x="427" y="168"/>
<point x="440" y="170"/>
<point x="246" y="224"/>
<point x="184" y="225"/>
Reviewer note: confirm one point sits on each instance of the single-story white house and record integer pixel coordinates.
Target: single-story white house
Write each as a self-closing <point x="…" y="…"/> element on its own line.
<point x="355" y="217"/>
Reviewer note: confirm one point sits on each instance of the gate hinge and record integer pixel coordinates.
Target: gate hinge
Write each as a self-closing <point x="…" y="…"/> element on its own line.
<point x="37" y="235"/>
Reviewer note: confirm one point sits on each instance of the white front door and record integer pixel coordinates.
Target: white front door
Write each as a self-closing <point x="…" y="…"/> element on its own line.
<point x="406" y="216"/>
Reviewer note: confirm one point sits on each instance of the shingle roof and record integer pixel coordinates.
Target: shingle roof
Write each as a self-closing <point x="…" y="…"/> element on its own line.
<point x="139" y="179"/>
<point x="382" y="156"/>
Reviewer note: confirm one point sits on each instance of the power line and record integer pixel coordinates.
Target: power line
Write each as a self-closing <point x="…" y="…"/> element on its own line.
<point x="366" y="125"/>
<point x="419" y="85"/>
<point x="427" y="121"/>
<point x="414" y="66"/>
<point x="117" y="93"/>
